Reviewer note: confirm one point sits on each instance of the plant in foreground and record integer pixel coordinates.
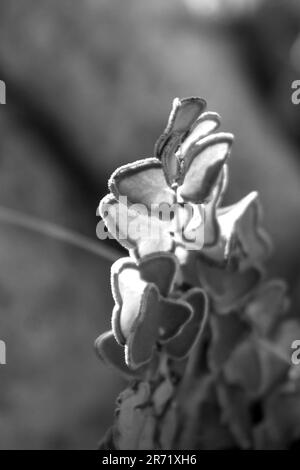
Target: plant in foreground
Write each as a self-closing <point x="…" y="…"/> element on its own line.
<point x="200" y="332"/>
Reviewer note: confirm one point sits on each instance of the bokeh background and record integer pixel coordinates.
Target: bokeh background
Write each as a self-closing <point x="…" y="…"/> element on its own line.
<point x="89" y="87"/>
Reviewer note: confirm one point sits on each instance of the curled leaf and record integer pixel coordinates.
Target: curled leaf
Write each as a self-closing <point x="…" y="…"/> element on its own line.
<point x="143" y="337"/>
<point x="128" y="291"/>
<point x="180" y="346"/>
<point x="274" y="364"/>
<point x="229" y="287"/>
<point x="141" y="182"/>
<point x="183" y="115"/>
<point x="268" y="306"/>
<point x="241" y="228"/>
<point x="257" y="365"/>
<point x="243" y="369"/>
<point x="206" y="124"/>
<point x="113" y="354"/>
<point x="159" y="269"/>
<point x="134" y="228"/>
<point x="211" y="226"/>
<point x="203" y="165"/>
<point x="159" y="319"/>
<point x="168" y="428"/>
<point x="129" y="282"/>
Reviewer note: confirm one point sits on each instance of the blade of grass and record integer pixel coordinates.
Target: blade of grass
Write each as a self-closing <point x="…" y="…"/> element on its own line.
<point x="18" y="219"/>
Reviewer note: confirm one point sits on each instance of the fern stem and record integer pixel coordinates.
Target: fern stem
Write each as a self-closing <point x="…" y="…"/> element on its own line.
<point x="17" y="219"/>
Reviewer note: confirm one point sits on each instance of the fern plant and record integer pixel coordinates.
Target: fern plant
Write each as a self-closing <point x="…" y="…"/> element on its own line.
<point x="198" y="329"/>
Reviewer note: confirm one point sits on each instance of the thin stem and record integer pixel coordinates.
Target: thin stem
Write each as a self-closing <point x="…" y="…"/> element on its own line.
<point x="17" y="219"/>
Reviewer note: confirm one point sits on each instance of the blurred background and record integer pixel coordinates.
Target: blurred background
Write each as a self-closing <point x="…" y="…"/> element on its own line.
<point x="89" y="87"/>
